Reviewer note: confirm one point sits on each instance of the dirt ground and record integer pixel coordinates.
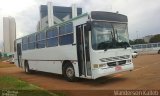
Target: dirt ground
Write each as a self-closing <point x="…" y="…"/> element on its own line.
<point x="146" y="75"/>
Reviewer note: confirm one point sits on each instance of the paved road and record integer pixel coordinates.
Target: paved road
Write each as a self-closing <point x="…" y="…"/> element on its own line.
<point x="146" y="75"/>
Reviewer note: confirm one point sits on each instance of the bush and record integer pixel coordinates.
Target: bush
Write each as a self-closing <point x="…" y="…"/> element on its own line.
<point x="155" y="39"/>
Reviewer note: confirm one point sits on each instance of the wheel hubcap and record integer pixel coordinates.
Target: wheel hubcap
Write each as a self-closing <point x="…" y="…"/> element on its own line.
<point x="69" y="72"/>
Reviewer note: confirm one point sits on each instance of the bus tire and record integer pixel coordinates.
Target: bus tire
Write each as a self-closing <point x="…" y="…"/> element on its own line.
<point x="159" y="52"/>
<point x="69" y="73"/>
<point x="26" y="67"/>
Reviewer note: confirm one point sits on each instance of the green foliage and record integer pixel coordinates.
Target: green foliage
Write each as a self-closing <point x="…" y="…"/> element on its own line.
<point x="131" y="42"/>
<point x="155" y="39"/>
<point x="137" y="41"/>
<point x="13" y="83"/>
<point x="140" y="41"/>
<point x="23" y="88"/>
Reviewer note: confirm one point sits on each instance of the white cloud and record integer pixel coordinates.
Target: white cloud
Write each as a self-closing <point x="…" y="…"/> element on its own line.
<point x="27" y="21"/>
<point x="143" y="14"/>
<point x="11" y="7"/>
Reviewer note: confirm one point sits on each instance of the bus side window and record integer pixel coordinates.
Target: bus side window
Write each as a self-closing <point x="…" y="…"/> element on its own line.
<point x="31" y="41"/>
<point x="25" y="43"/>
<point x="52" y="37"/>
<point x="41" y="40"/>
<point x="66" y="34"/>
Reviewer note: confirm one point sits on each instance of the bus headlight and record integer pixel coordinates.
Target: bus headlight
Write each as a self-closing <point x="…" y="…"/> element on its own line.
<point x="95" y="66"/>
<point x="102" y="65"/>
<point x="99" y="65"/>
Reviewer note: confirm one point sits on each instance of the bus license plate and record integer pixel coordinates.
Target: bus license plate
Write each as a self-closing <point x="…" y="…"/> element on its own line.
<point x="118" y="68"/>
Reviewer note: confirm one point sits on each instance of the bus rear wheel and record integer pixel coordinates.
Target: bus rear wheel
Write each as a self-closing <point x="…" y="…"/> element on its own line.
<point x="69" y="73"/>
<point x="26" y="67"/>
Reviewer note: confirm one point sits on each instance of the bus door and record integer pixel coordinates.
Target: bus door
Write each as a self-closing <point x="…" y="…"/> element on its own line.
<point x="83" y="54"/>
<point x="19" y="54"/>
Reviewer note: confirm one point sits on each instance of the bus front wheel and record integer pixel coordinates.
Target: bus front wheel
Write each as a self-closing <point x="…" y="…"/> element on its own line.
<point x="69" y="73"/>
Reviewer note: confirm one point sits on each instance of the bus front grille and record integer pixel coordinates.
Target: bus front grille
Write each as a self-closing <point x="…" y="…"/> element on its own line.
<point x="113" y="59"/>
<point x="111" y="64"/>
<point x="121" y="62"/>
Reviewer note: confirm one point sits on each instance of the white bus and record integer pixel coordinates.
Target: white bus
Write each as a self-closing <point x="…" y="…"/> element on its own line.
<point x="89" y="46"/>
<point x="150" y="48"/>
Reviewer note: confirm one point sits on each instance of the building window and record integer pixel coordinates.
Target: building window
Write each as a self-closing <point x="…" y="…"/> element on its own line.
<point x="52" y="37"/>
<point x="24" y="43"/>
<point x="41" y="40"/>
<point x="66" y="34"/>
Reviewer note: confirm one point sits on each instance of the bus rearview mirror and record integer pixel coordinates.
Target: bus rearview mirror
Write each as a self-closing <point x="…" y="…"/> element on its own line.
<point x="88" y="26"/>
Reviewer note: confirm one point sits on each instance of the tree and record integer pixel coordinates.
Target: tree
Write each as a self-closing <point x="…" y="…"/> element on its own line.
<point x="155" y="39"/>
<point x="139" y="41"/>
<point x="131" y="42"/>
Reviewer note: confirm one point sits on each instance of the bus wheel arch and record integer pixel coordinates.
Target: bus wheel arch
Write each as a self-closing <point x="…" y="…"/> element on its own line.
<point x="68" y="70"/>
<point x="158" y="51"/>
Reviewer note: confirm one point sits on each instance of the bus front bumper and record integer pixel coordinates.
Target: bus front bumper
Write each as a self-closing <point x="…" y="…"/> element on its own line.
<point x="100" y="72"/>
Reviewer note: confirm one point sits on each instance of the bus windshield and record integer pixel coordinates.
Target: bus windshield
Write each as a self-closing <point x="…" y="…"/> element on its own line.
<point x="109" y="35"/>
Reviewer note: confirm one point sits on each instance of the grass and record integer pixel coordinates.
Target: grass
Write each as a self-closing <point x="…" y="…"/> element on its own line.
<point x="23" y="88"/>
<point x="8" y="82"/>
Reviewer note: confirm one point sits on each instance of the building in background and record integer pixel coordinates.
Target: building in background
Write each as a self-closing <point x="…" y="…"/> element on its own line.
<point x="50" y="15"/>
<point x="147" y="38"/>
<point x="9" y="34"/>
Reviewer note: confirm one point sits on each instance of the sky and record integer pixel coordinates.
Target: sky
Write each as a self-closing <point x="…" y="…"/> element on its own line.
<point x="143" y="15"/>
